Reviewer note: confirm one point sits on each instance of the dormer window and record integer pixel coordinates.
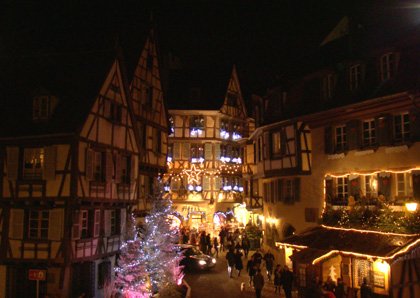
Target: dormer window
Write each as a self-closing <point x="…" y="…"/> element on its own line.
<point x="42" y="108"/>
<point x="388" y="66"/>
<point x="355" y="76"/>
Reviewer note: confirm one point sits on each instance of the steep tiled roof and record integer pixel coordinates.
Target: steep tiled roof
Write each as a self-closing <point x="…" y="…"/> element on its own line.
<point x="74" y="78"/>
<point x="353" y="241"/>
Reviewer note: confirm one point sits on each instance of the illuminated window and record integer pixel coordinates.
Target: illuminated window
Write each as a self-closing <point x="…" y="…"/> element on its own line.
<point x="224" y="130"/>
<point x="388" y="66"/>
<point x="196" y="126"/>
<point x="236" y="132"/>
<point x="403" y="183"/>
<point x="340" y="138"/>
<point x="401" y="127"/>
<point x="38" y="224"/>
<point x="197" y="153"/>
<point x="84" y="224"/>
<point x="369" y="133"/>
<point x="171" y="126"/>
<point x="342" y="187"/>
<point x="371" y="186"/>
<point x="170" y="152"/>
<point x="355" y="76"/>
<point x="276" y="143"/>
<point x="33" y="163"/>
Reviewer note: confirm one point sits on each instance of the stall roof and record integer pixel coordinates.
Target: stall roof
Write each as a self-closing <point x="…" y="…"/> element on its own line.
<point x="351" y="241"/>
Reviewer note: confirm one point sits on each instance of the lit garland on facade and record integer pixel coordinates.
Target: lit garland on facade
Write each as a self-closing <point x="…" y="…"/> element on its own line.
<point x="373" y="173"/>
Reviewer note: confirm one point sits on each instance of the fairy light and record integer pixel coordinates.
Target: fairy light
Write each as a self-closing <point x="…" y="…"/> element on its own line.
<point x="374" y="172"/>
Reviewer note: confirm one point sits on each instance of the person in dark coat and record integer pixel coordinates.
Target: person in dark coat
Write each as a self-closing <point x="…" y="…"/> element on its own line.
<point x="209" y="244"/>
<point x="257" y="257"/>
<point x="365" y="290"/>
<point x="238" y="261"/>
<point x="269" y="263"/>
<point x="277" y="279"/>
<point x="340" y="289"/>
<point x="216" y="246"/>
<point x="230" y="257"/>
<point x="287" y="281"/>
<point x="245" y="245"/>
<point x="203" y="243"/>
<point x="258" y="283"/>
<point x="222" y="236"/>
<point x="251" y="269"/>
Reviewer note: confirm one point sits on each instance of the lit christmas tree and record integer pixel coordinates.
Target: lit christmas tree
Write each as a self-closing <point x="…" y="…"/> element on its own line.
<point x="161" y="256"/>
<point x="131" y="275"/>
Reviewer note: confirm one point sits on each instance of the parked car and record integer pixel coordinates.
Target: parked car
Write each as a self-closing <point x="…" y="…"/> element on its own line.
<point x="195" y="259"/>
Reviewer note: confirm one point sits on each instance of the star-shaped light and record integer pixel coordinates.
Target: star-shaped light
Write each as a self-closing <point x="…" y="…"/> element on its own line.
<point x="193" y="174"/>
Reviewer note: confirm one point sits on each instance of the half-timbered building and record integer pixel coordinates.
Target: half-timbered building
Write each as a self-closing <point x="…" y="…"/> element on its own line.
<point x="208" y="119"/>
<point x="69" y="166"/>
<point x="151" y="120"/>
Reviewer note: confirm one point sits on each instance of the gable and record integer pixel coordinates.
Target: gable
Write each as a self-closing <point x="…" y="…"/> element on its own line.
<point x="233" y="104"/>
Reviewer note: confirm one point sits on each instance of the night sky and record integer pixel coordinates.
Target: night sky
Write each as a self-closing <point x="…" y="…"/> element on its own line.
<point x="263" y="38"/>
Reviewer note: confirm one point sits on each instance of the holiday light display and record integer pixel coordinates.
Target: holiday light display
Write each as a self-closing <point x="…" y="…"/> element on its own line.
<point x="149" y="259"/>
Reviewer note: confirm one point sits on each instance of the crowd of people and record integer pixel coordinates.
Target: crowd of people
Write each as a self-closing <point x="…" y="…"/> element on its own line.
<point x="237" y="247"/>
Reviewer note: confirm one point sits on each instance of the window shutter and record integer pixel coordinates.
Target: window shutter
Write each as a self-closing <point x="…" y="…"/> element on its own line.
<point x="89" y="164"/>
<point x="416" y="184"/>
<point x="109" y="166"/>
<point x="134" y="168"/>
<point x="118" y="160"/>
<point x="414" y="125"/>
<point x="329" y="190"/>
<point x="328" y="140"/>
<point x="206" y="183"/>
<point x="208" y="151"/>
<point x="55" y="227"/>
<point x="97" y="223"/>
<point x="217" y="151"/>
<point x="107" y="223"/>
<point x="186" y="151"/>
<point x="16" y="223"/>
<point x="353" y="129"/>
<point x="297" y="189"/>
<point x="50" y="160"/>
<point x="384" y="184"/>
<point x="123" y="220"/>
<point x="176" y="151"/>
<point x="76" y="225"/>
<point x="12" y="162"/>
<point x="383" y="126"/>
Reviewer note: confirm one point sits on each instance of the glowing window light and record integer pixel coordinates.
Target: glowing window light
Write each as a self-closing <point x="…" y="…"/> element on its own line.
<point x="224" y="134"/>
<point x="236" y="136"/>
<point x="196" y="132"/>
<point x="411" y="206"/>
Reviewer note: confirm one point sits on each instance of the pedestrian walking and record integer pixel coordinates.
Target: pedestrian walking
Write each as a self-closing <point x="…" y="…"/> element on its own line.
<point x="269" y="263"/>
<point x="258" y="283"/>
<point x="277" y="279"/>
<point x="287" y="281"/>
<point x="222" y="236"/>
<point x="257" y="256"/>
<point x="251" y="269"/>
<point x="216" y="246"/>
<point x="340" y="290"/>
<point x="203" y="242"/>
<point x="365" y="290"/>
<point x="230" y="257"/>
<point x="238" y="262"/>
<point x="209" y="244"/>
<point x="245" y="245"/>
